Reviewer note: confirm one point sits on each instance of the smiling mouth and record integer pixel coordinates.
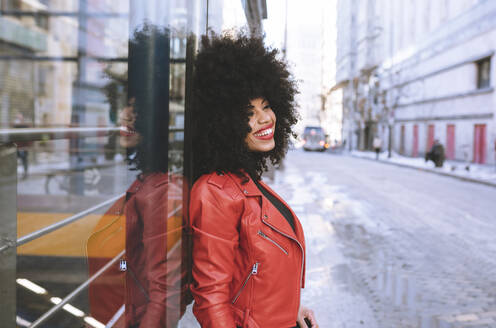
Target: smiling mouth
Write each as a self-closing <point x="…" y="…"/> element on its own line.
<point x="126" y="131"/>
<point x="265" y="133"/>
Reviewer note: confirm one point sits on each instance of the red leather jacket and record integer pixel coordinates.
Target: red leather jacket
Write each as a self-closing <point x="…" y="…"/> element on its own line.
<point x="107" y="240"/>
<point x="154" y="287"/>
<point x="248" y="263"/>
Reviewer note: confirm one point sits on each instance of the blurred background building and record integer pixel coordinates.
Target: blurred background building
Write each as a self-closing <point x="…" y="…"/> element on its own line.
<point x="412" y="72"/>
<point x="306" y="35"/>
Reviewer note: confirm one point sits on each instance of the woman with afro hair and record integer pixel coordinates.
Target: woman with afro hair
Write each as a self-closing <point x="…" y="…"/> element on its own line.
<point x="248" y="245"/>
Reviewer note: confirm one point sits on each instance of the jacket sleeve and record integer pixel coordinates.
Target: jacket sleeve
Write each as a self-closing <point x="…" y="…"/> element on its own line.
<point x="152" y="206"/>
<point x="215" y="218"/>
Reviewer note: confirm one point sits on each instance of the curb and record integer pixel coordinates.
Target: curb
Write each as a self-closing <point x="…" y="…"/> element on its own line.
<point x="487" y="183"/>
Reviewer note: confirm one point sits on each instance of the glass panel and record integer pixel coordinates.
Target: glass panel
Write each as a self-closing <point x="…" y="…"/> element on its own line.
<point x="63" y="83"/>
<point x="84" y="99"/>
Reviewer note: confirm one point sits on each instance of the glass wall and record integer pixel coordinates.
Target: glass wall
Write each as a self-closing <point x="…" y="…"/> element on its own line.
<point x="84" y="86"/>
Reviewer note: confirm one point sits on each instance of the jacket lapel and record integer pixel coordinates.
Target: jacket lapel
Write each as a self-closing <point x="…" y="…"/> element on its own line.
<point x="270" y="214"/>
<point x="272" y="217"/>
<point x="298" y="232"/>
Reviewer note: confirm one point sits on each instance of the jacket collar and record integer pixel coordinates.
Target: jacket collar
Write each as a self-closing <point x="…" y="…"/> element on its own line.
<point x="154" y="179"/>
<point x="270" y="215"/>
<point x="276" y="219"/>
<point x="249" y="188"/>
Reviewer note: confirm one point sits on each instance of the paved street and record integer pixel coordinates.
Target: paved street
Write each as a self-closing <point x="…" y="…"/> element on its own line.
<point x="393" y="247"/>
<point x="387" y="247"/>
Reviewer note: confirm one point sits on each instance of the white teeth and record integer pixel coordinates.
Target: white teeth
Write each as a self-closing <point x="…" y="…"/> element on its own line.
<point x="126" y="129"/>
<point x="264" y="133"/>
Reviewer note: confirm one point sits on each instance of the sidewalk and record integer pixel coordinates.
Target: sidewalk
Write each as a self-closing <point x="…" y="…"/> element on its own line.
<point x="478" y="173"/>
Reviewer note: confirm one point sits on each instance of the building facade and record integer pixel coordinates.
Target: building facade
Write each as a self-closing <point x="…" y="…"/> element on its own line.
<point x="413" y="72"/>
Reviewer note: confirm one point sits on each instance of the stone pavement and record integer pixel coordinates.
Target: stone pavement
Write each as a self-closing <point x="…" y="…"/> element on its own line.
<point x="420" y="248"/>
<point x="331" y="289"/>
<point x="389" y="247"/>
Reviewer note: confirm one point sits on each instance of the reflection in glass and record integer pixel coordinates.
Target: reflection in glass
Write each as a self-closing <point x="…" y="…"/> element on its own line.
<point x="64" y="66"/>
<point x="154" y="276"/>
<point x="53" y="58"/>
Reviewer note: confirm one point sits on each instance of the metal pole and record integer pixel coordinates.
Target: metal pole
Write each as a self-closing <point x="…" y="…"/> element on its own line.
<point x="60" y="224"/>
<point x="390" y="141"/>
<point x="206" y="22"/>
<point x="8" y="233"/>
<point x="34" y="134"/>
<point x="285" y="45"/>
<point x="75" y="292"/>
<point x="78" y="116"/>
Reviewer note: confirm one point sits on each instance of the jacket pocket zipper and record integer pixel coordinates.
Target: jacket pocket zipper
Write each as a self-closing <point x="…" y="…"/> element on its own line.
<point x="140" y="286"/>
<point x="254" y="271"/>
<point x="260" y="233"/>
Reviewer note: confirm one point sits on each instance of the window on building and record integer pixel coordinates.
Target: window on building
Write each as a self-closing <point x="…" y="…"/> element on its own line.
<point x="42" y="21"/>
<point x="484" y="73"/>
<point x="43" y="80"/>
<point x="10" y="4"/>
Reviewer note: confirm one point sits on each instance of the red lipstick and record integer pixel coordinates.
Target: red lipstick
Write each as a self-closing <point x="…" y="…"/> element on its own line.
<point x="126" y="131"/>
<point x="263" y="131"/>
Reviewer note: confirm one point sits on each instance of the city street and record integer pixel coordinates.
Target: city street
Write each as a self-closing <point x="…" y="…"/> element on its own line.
<point x="392" y="109"/>
<point x="386" y="246"/>
<point x="392" y="247"/>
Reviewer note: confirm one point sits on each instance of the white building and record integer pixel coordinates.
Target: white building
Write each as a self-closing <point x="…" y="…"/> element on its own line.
<point x="422" y="67"/>
<point x="304" y="55"/>
<point x="331" y="113"/>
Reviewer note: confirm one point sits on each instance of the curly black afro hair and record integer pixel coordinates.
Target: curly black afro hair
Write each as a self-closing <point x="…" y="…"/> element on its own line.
<point x="229" y="72"/>
<point x="148" y="82"/>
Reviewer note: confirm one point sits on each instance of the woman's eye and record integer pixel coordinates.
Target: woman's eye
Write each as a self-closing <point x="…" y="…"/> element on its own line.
<point x="267" y="107"/>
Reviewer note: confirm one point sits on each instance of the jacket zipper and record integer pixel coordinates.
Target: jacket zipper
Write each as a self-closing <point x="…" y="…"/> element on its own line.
<point x="140" y="286"/>
<point x="302" y="255"/>
<point x="260" y="233"/>
<point x="254" y="271"/>
<point x="301" y="247"/>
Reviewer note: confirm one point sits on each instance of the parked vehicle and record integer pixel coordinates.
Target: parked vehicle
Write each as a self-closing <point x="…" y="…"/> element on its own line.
<point x="314" y="138"/>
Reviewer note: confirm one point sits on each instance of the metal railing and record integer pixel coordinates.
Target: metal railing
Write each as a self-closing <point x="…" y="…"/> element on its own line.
<point x="76" y="291"/>
<point x="47" y="315"/>
<point x="116" y="317"/>
<point x="34" y="134"/>
<point x="43" y="231"/>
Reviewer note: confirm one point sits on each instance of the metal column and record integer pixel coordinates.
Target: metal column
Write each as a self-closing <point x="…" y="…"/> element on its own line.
<point x="8" y="233"/>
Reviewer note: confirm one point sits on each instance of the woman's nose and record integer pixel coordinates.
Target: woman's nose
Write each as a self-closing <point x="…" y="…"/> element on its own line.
<point x="263" y="117"/>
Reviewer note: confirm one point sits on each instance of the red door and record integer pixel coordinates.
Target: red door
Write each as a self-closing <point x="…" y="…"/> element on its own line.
<point x="402" y="140"/>
<point x="450" y="141"/>
<point x="430" y="136"/>
<point x="415" y="141"/>
<point x="480" y="143"/>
